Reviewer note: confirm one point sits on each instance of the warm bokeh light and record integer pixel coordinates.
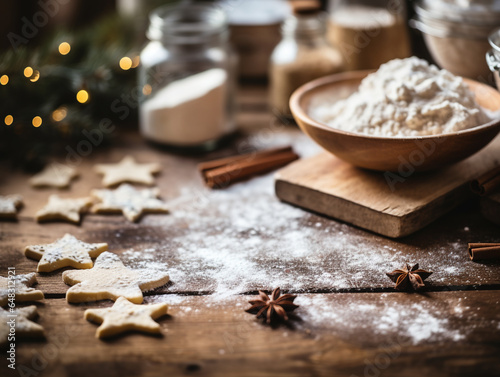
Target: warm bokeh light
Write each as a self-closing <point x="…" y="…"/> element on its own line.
<point x="64" y="48"/>
<point x="9" y="119"/>
<point x="82" y="96"/>
<point x="37" y="121"/>
<point x="59" y="114"/>
<point x="35" y="76"/>
<point x="125" y="63"/>
<point x="147" y="89"/>
<point x="4" y="79"/>
<point x="28" y="71"/>
<point x="135" y="61"/>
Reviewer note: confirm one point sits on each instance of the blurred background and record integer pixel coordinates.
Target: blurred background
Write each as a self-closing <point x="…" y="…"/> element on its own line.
<point x="67" y="66"/>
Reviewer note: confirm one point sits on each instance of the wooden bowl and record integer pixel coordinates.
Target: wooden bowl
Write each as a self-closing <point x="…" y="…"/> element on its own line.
<point x="395" y="154"/>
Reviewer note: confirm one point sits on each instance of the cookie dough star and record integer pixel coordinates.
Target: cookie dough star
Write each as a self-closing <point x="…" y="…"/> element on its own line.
<point x="127" y="170"/>
<point x="131" y="202"/>
<point x="110" y="279"/>
<point x="54" y="175"/>
<point x="63" y="209"/>
<point x="65" y="252"/>
<point x="9" y="204"/>
<point x="124" y="316"/>
<point x="24" y="327"/>
<point x="21" y="284"/>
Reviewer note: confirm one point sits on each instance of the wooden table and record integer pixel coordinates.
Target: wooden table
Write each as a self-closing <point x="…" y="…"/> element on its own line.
<point x="220" y="247"/>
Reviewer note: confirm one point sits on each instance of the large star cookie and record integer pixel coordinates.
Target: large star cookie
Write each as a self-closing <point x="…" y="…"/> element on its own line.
<point x="63" y="209"/>
<point x="54" y="175"/>
<point x="20" y="320"/>
<point x="110" y="279"/>
<point x="65" y="252"/>
<point x="127" y="170"/>
<point x="21" y="284"/>
<point x="124" y="316"/>
<point x="9" y="204"/>
<point x="131" y="202"/>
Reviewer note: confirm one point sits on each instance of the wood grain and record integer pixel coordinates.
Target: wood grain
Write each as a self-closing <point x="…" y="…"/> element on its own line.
<point x="342" y="334"/>
<point x="375" y="200"/>
<point x="215" y="337"/>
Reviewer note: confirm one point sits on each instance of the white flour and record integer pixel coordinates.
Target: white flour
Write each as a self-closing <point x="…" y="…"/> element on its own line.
<point x="187" y="112"/>
<point x="404" y="98"/>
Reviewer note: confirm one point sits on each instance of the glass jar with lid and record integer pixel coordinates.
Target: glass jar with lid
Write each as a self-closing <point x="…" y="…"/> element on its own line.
<point x="187" y="78"/>
<point x="303" y="55"/>
<point x="369" y="32"/>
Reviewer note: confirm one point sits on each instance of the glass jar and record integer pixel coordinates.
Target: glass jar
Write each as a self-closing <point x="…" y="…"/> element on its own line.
<point x="369" y="32"/>
<point x="187" y="78"/>
<point x="303" y="55"/>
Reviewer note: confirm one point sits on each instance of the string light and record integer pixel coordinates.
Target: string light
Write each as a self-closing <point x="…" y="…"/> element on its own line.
<point x="125" y="63"/>
<point x="135" y="61"/>
<point x="59" y="114"/>
<point x="28" y="72"/>
<point x="147" y="89"/>
<point x="37" y="121"/>
<point x="35" y="76"/>
<point x="64" y="48"/>
<point x="82" y="96"/>
<point x="4" y="79"/>
<point x="9" y="119"/>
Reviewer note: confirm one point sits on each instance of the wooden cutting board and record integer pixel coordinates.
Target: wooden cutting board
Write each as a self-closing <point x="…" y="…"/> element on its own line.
<point x="490" y="207"/>
<point x="391" y="205"/>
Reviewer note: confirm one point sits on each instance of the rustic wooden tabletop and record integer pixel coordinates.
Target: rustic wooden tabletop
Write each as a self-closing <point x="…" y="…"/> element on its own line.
<point x="221" y="246"/>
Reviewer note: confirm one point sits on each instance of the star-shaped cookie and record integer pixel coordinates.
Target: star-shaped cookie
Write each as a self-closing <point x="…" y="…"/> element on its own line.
<point x="65" y="252"/>
<point x="9" y="204"/>
<point x="127" y="170"/>
<point x="21" y="284"/>
<point x="63" y="209"/>
<point x="125" y="316"/>
<point x="110" y="279"/>
<point x="54" y="175"/>
<point x="131" y="202"/>
<point x="21" y="317"/>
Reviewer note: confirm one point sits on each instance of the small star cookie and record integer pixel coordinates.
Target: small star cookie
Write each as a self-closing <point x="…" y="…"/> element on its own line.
<point x="124" y="316"/>
<point x="63" y="209"/>
<point x="21" y="284"/>
<point x="131" y="202"/>
<point x="127" y="170"/>
<point x="65" y="252"/>
<point x="54" y="175"/>
<point x="9" y="204"/>
<point x="110" y="279"/>
<point x="24" y="327"/>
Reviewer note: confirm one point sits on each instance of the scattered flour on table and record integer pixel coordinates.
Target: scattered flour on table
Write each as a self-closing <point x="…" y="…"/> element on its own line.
<point x="414" y="323"/>
<point x="404" y="98"/>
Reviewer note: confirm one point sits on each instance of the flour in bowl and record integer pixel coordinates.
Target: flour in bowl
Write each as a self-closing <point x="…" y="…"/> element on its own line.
<point x="404" y="98"/>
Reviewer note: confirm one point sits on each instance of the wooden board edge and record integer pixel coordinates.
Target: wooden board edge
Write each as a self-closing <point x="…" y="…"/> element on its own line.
<point x="398" y="226"/>
<point x="300" y="199"/>
<point x="432" y="211"/>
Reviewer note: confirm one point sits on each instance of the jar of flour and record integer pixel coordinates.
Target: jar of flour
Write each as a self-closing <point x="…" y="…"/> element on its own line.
<point x="187" y="78"/>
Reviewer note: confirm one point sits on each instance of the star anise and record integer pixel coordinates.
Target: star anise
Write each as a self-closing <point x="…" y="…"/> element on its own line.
<point x="274" y="307"/>
<point x="409" y="278"/>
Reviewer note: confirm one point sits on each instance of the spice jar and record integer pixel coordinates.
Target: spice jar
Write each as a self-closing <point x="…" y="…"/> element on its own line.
<point x="303" y="55"/>
<point x="369" y="32"/>
<point x="187" y="78"/>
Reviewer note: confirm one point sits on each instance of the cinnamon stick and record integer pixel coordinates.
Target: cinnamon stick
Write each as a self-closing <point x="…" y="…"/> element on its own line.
<point x="241" y="167"/>
<point x="487" y="183"/>
<point x="204" y="166"/>
<point x="484" y="251"/>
